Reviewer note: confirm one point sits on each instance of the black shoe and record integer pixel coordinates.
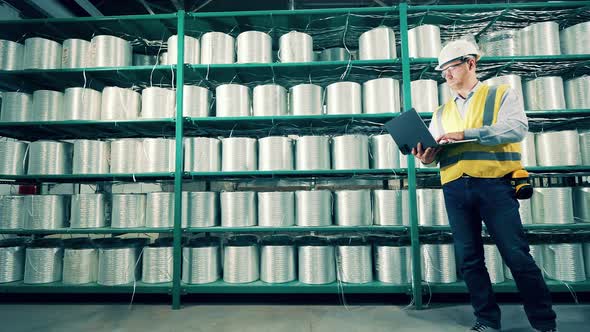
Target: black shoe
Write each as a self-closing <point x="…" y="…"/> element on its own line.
<point x="479" y="327"/>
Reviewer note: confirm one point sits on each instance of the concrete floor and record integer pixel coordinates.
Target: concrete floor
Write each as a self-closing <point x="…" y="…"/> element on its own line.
<point x="265" y="318"/>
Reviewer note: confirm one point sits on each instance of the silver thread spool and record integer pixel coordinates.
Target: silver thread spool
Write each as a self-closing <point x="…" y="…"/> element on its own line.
<point x="196" y="101"/>
<point x="11" y="55"/>
<point x="587" y="259"/>
<point x="558" y="148"/>
<point x="14" y="155"/>
<point x="47" y="105"/>
<point x="276" y="209"/>
<point x="159" y="154"/>
<point x="16" y="106"/>
<point x="431" y="207"/>
<point x="545" y="38"/>
<point x="192" y="51"/>
<point x="316" y="261"/>
<point x="163" y="58"/>
<point x="560" y="199"/>
<point x="232" y="100"/>
<point x="157" y="263"/>
<point x="514" y="81"/>
<point x="585" y="147"/>
<point x="12" y="256"/>
<point x="158" y="103"/>
<point x="82" y="104"/>
<point x="119" y="263"/>
<point x="43" y="262"/>
<point x="238" y="209"/>
<point x="144" y="60"/>
<point x="201" y="261"/>
<point x="438" y="263"/>
<point x="424" y="95"/>
<point x="377" y="44"/>
<point x="306" y="99"/>
<point x="381" y="95"/>
<point x="46" y="211"/>
<point x="313" y="208"/>
<point x="353" y="208"/>
<point x="536" y="251"/>
<point x="41" y="53"/>
<point x="241" y="260"/>
<point x="390" y="207"/>
<point x="127" y="155"/>
<point x="120" y="104"/>
<point x="91" y="157"/>
<point x="238" y="154"/>
<point x="80" y="262"/>
<point x="494" y="263"/>
<point x="200" y="209"/>
<point x="269" y="100"/>
<point x="277" y="260"/>
<point x="50" y="158"/>
<point x="350" y="152"/>
<point x="544" y="93"/>
<point x="526" y="212"/>
<point x="444" y="93"/>
<point x="344" y="98"/>
<point x="424" y="41"/>
<point x="335" y="54"/>
<point x="110" y="51"/>
<point x="202" y="154"/>
<point x="577" y="92"/>
<point x="159" y="211"/>
<point x="275" y="153"/>
<point x="564" y="262"/>
<point x="312" y="153"/>
<point x="384" y="152"/>
<point x="88" y="211"/>
<point x="296" y="47"/>
<point x="12" y="212"/>
<point x="217" y="48"/>
<point x="128" y="210"/>
<point x="500" y="43"/>
<point x="75" y="53"/>
<point x="254" y="47"/>
<point x="575" y="39"/>
<point x="392" y="262"/>
<point x="354" y="261"/>
<point x="581" y="204"/>
<point x="528" y="155"/>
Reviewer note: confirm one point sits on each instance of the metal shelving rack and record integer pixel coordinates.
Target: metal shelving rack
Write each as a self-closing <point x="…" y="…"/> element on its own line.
<point x="158" y="27"/>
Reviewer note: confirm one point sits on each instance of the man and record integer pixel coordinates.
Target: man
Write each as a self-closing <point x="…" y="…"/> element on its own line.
<point x="475" y="184"/>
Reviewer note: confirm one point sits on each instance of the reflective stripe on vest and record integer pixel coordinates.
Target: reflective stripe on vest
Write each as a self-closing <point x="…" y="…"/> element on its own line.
<point x="478" y="155"/>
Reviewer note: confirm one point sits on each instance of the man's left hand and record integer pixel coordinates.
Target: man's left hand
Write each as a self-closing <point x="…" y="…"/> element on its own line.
<point x="451" y="137"/>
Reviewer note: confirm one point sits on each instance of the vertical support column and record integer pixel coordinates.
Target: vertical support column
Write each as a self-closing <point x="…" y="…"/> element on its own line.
<point x="414" y="232"/>
<point x="176" y="291"/>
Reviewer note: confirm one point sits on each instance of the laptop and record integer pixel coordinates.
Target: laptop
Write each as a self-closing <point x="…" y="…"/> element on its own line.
<point x="409" y="129"/>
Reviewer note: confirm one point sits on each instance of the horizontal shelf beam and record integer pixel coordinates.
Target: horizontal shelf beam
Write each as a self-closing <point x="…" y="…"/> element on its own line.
<point x="298" y="174"/>
<point x="506" y="287"/>
<point x="298" y="229"/>
<point x="531" y="227"/>
<point x="84" y="178"/>
<point x="59" y="287"/>
<point x="106" y="230"/>
<point x="295" y="287"/>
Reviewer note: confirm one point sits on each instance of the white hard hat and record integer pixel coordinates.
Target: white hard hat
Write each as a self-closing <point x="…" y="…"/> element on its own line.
<point x="456" y="50"/>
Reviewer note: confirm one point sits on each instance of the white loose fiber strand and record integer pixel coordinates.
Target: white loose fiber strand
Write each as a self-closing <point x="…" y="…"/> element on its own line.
<point x="494" y="263"/>
<point x="80" y="266"/>
<point x="581" y="204"/>
<point x="17" y="107"/>
<point x="91" y="157"/>
<point x="275" y="153"/>
<point x="381" y="95"/>
<point x="558" y="148"/>
<point x="241" y="264"/>
<point x="431" y="207"/>
<point x="313" y="208"/>
<point x="43" y="265"/>
<point x="11" y="55"/>
<point x="276" y="209"/>
<point x="14" y="157"/>
<point x="41" y="53"/>
<point x="575" y="39"/>
<point x="254" y="47"/>
<point x="238" y="209"/>
<point x="392" y="264"/>
<point x="269" y="100"/>
<point x="157" y="264"/>
<point x="317" y="264"/>
<point x="344" y="98"/>
<point x="438" y="263"/>
<point x="377" y="44"/>
<point x="277" y="263"/>
<point x="350" y="152"/>
<point x="127" y="155"/>
<point x="159" y="154"/>
<point x="158" y="103"/>
<point x="202" y="154"/>
<point x="110" y="51"/>
<point x="545" y="93"/>
<point x="217" y="48"/>
<point x="12" y="256"/>
<point x="192" y="51"/>
<point x="560" y="201"/>
<point x="312" y="153"/>
<point x="296" y="47"/>
<point x="353" y="208"/>
<point x="577" y="92"/>
<point x="238" y="154"/>
<point x="424" y="41"/>
<point x="88" y="211"/>
<point x="128" y="210"/>
<point x="232" y="100"/>
<point x="306" y="99"/>
<point x="424" y="95"/>
<point x="201" y="265"/>
<point x="196" y="101"/>
<point x="12" y="212"/>
<point x="120" y="104"/>
<point x="49" y="157"/>
<point x="46" y="211"/>
<point x="355" y="263"/>
<point x="390" y="207"/>
<point x="75" y="53"/>
<point x="82" y="104"/>
<point x="384" y="152"/>
<point x="200" y="209"/>
<point x="564" y="262"/>
<point x="47" y="105"/>
<point x="159" y="210"/>
<point x="118" y="266"/>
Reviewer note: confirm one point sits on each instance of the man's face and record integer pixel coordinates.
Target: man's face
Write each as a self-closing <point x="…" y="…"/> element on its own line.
<point x="456" y="71"/>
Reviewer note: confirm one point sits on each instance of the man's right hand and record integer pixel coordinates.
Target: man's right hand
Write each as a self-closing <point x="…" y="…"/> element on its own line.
<point x="426" y="156"/>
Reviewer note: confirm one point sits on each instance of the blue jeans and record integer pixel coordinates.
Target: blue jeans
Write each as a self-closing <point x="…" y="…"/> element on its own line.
<point x="468" y="202"/>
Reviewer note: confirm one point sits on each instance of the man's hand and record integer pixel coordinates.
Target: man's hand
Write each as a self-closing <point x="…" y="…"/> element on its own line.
<point x="426" y="156"/>
<point x="451" y="137"/>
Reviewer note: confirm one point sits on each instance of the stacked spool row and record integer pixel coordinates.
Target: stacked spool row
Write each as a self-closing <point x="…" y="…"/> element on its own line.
<point x="79" y="261"/>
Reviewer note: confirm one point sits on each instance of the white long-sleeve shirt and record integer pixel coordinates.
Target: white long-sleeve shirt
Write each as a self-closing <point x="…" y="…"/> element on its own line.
<point x="511" y="126"/>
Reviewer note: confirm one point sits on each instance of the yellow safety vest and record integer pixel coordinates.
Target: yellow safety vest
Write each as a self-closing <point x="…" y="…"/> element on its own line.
<point x="474" y="159"/>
